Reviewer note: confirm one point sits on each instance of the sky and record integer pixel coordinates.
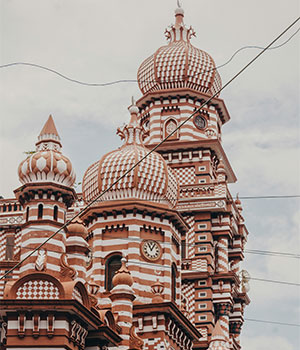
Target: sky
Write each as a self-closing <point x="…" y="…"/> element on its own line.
<point x="103" y="41"/>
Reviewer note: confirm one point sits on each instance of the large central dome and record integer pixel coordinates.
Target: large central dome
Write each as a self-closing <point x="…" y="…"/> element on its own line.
<point x="151" y="180"/>
<point x="179" y="64"/>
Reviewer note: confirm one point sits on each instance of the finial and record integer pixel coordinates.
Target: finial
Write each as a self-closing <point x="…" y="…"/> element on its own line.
<point x="178" y="3"/>
<point x="133" y="109"/>
<point x="179" y="14"/>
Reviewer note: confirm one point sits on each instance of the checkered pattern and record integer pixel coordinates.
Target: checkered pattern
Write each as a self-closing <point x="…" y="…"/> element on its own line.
<point x="77" y="295"/>
<point x="90" y="188"/>
<point x="37" y="289"/>
<point x="151" y="180"/>
<point x="190" y="239"/>
<point x="203" y="332"/>
<point x="2" y="246"/>
<point x="199" y="265"/>
<point x="188" y="290"/>
<point x="186" y="175"/>
<point x="156" y="344"/>
<point x="179" y="65"/>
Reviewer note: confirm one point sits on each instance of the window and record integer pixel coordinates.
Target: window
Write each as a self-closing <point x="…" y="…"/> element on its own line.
<point x="202" y="249"/>
<point x="202" y="238"/>
<point x="9" y="253"/>
<point x="27" y="214"/>
<point x="202" y="318"/>
<point x="170" y="126"/>
<point x="173" y="283"/>
<point x="183" y="249"/>
<point x="202" y="226"/>
<point x="55" y="212"/>
<point x="40" y="211"/>
<point x="202" y="294"/>
<point x="113" y="264"/>
<point x="15" y="207"/>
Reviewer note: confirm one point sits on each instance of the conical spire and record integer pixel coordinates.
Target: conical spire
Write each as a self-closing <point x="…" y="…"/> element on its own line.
<point x="49" y="127"/>
<point x="218" y="340"/>
<point x="48" y="138"/>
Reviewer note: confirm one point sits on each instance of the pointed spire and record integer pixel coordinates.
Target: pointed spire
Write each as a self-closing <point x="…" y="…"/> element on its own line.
<point x="49" y="127"/>
<point x="218" y="340"/>
<point x="48" y="138"/>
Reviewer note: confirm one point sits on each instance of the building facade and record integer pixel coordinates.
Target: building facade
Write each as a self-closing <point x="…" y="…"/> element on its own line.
<point x="149" y="261"/>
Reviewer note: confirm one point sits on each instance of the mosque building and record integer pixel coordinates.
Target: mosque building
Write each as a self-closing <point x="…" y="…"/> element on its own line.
<point x="153" y="262"/>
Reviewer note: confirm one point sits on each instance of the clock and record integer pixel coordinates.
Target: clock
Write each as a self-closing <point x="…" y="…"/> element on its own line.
<point x="151" y="250"/>
<point x="200" y="121"/>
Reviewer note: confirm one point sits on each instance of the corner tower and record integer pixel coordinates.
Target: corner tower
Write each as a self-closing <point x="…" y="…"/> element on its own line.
<point x="175" y="81"/>
<point x="47" y="177"/>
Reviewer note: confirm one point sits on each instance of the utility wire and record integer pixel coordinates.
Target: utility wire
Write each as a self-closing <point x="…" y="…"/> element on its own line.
<point x="153" y="149"/>
<point x="142" y="81"/>
<point x="248" y="251"/>
<point x="273" y="322"/>
<point x="157" y="266"/>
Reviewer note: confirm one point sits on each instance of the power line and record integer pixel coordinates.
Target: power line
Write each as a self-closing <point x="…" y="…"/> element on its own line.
<point x="153" y="149"/>
<point x="273" y="281"/>
<point x="157" y="265"/>
<point x="273" y="322"/>
<point x="187" y="244"/>
<point x="142" y="81"/>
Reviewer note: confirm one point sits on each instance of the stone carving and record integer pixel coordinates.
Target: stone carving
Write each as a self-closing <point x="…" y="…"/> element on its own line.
<point x="65" y="269"/>
<point x="41" y="260"/>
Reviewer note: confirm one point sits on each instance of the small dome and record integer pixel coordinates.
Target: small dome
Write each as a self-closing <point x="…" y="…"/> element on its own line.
<point x="47" y="164"/>
<point x="123" y="276"/>
<point x="179" y="64"/>
<point x="77" y="228"/>
<point x="152" y="180"/>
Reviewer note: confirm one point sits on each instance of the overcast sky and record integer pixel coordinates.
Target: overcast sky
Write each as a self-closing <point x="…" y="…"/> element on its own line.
<point x="102" y="41"/>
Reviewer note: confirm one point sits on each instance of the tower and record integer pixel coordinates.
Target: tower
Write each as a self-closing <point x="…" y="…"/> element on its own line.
<point x="175" y="81"/>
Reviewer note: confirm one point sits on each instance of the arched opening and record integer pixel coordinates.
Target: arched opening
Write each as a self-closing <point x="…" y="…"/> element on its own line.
<point x="112" y="265"/>
<point x="4" y="208"/>
<point x="170" y="126"/>
<point x="55" y="213"/>
<point x="40" y="211"/>
<point x="15" y="207"/>
<point x="9" y="207"/>
<point x="27" y="214"/>
<point x="173" y="282"/>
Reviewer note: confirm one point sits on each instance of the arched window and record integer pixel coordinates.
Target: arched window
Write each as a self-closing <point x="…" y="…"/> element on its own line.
<point x="55" y="212"/>
<point x="27" y="214"/>
<point x="40" y="211"/>
<point x="9" y="207"/>
<point x="173" y="283"/>
<point x="170" y="126"/>
<point x="112" y="265"/>
<point x="15" y="207"/>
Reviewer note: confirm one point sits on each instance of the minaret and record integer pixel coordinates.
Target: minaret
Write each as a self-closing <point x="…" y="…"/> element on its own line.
<point x="176" y="81"/>
<point x="47" y="177"/>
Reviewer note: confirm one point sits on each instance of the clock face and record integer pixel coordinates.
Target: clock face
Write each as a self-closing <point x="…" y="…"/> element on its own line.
<point x="151" y="250"/>
<point x="200" y="122"/>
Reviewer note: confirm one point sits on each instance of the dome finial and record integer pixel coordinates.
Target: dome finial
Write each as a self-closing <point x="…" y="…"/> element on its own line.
<point x="179" y="13"/>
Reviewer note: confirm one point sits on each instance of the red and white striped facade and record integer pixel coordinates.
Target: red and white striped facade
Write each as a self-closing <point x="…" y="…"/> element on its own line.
<point x="154" y="262"/>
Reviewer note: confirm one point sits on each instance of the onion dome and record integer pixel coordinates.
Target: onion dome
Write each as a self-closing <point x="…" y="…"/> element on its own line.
<point x="123" y="276"/>
<point x="179" y="64"/>
<point x="221" y="168"/>
<point x="47" y="163"/>
<point x="77" y="228"/>
<point x="152" y="179"/>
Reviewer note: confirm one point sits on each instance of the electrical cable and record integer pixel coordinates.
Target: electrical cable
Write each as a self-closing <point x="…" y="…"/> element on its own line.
<point x="129" y="262"/>
<point x="273" y="322"/>
<point x="153" y="149"/>
<point x="248" y="251"/>
<point x="142" y="81"/>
